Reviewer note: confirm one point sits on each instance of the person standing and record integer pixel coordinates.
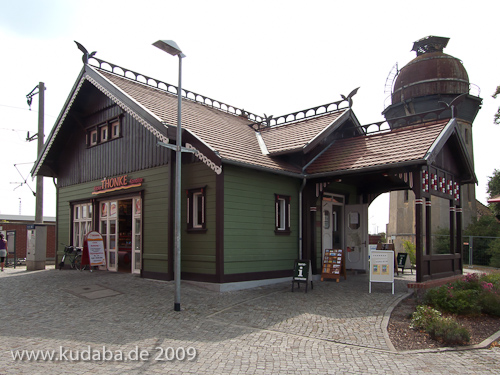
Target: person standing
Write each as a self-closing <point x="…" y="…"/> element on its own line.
<point x="3" y="251"/>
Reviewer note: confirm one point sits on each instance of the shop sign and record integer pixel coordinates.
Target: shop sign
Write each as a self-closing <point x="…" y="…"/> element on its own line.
<point x="117" y="183"/>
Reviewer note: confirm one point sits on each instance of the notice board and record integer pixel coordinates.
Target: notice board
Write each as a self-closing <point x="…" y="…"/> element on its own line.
<point x="333" y="264"/>
<point x="381" y="267"/>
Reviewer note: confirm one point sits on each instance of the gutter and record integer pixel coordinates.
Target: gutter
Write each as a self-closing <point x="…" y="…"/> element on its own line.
<point x="302" y="186"/>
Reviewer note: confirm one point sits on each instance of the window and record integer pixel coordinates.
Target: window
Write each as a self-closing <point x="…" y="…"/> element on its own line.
<point x="115" y="129"/>
<point x="196" y="209"/>
<point x="82" y="222"/>
<point x="104" y="133"/>
<point x="282" y="203"/>
<point x="93" y="137"/>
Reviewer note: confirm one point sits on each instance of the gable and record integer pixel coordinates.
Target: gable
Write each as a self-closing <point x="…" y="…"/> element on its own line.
<point x="73" y="158"/>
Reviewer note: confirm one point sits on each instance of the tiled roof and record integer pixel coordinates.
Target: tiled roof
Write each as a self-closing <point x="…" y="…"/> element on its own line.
<point x="228" y="134"/>
<point x="297" y="135"/>
<point x="383" y="149"/>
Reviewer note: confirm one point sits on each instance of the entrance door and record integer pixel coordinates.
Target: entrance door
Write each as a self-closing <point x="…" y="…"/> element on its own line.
<point x="356" y="235"/>
<point x="332" y="227"/>
<point x="109" y="229"/>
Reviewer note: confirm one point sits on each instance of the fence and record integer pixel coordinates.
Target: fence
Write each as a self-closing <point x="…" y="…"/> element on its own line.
<point x="476" y="250"/>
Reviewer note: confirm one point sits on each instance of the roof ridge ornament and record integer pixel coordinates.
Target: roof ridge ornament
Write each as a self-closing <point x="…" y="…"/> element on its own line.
<point x="348" y="99"/>
<point x="86" y="55"/>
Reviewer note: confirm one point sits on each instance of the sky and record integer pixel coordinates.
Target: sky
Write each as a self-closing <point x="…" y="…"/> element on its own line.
<point x="272" y="57"/>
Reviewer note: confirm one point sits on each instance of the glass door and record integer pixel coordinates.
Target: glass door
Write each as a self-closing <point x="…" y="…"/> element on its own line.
<point x="137" y="235"/>
<point x="109" y="231"/>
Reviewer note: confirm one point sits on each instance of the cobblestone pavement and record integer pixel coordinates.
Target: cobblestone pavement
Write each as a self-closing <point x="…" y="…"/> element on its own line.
<point x="112" y="323"/>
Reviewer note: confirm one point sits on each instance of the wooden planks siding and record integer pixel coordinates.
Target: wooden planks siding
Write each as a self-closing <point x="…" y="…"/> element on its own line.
<point x="198" y="249"/>
<point x="135" y="150"/>
<point x="250" y="242"/>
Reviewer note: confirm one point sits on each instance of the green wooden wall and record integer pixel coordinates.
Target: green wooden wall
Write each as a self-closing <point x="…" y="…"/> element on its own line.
<point x="198" y="249"/>
<point x="250" y="243"/>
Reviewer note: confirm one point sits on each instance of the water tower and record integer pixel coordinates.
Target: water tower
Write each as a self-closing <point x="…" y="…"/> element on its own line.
<point x="423" y="91"/>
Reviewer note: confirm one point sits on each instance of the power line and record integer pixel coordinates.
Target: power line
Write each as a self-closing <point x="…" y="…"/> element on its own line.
<point x="23" y="109"/>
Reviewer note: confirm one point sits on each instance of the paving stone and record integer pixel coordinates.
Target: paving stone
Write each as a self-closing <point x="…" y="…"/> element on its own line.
<point x="334" y="328"/>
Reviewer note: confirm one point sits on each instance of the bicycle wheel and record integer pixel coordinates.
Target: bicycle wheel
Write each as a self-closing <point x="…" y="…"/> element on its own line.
<point x="78" y="262"/>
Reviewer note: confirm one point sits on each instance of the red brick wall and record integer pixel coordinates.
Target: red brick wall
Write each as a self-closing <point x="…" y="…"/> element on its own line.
<point x="22" y="238"/>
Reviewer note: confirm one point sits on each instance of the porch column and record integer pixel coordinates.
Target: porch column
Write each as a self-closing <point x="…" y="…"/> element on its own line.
<point x="419" y="243"/>
<point x="458" y="215"/>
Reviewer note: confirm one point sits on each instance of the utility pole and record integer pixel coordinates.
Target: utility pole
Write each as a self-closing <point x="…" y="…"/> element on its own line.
<point x="40" y="137"/>
<point x="39" y="179"/>
<point x="36" y="252"/>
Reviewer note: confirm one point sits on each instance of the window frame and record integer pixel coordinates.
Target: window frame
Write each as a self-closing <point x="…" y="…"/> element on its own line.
<point x="282" y="214"/>
<point x="193" y="210"/>
<point x="82" y="219"/>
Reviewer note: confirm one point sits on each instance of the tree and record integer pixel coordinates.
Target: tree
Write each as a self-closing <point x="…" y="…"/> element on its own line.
<point x="497" y="115"/>
<point x="494" y="189"/>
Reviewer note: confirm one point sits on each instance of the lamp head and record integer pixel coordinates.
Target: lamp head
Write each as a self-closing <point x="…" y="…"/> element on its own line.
<point x="170" y="47"/>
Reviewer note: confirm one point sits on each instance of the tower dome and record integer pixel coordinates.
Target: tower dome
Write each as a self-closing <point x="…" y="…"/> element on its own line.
<point x="428" y="83"/>
<point x="432" y="72"/>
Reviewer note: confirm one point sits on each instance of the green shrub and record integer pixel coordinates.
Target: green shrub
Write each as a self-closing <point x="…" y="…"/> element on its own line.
<point x="410" y="248"/>
<point x="453" y="299"/>
<point x="494" y="252"/>
<point x="449" y="331"/>
<point x="490" y="302"/>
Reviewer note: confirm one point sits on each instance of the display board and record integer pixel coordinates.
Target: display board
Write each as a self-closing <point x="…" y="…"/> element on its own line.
<point x="333" y="265"/>
<point x="94" y="244"/>
<point x="382" y="267"/>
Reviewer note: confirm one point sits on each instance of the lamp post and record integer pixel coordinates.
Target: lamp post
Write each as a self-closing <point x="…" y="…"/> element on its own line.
<point x="173" y="49"/>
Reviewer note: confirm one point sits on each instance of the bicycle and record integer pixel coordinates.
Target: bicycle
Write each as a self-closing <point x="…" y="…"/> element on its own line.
<point x="74" y="255"/>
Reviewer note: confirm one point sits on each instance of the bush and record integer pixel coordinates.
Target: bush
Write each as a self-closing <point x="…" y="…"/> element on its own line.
<point x="490" y="302"/>
<point x="423" y="317"/>
<point x="446" y="329"/>
<point x="449" y="331"/>
<point x="494" y="252"/>
<point x="453" y="299"/>
<point x="410" y="248"/>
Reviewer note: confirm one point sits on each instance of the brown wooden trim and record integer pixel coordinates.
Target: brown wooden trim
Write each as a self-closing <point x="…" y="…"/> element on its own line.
<point x="156" y="275"/>
<point x="250" y="276"/>
<point x="203" y="277"/>
<point x="219" y="226"/>
<point x="419" y="243"/>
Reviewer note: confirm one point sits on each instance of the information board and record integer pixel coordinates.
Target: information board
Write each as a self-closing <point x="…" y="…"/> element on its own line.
<point x="95" y="246"/>
<point x="302" y="273"/>
<point x="333" y="265"/>
<point x="381" y="267"/>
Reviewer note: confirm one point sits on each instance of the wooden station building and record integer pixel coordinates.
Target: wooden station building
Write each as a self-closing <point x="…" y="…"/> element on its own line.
<point x="258" y="193"/>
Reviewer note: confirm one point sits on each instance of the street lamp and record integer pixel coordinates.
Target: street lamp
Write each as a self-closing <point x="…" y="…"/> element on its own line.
<point x="172" y="48"/>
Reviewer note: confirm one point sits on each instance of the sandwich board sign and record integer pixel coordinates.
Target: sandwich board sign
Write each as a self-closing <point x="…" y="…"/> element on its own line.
<point x="95" y="246"/>
<point x="302" y="273"/>
<point x="381" y="267"/>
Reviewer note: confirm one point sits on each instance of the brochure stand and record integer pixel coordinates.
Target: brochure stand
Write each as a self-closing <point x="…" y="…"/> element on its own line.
<point x="333" y="265"/>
